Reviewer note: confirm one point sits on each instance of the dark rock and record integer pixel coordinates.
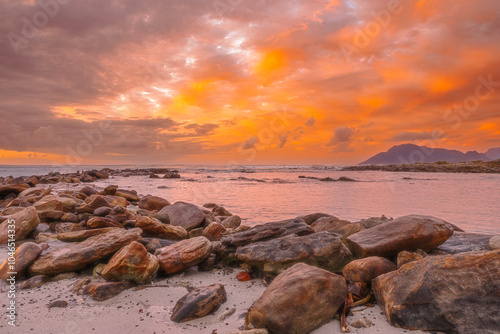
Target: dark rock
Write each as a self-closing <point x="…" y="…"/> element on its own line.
<point x="88" y="191"/>
<point x="405" y="233"/>
<point x="12" y="189"/>
<point x="405" y="257"/>
<point x="299" y="300"/>
<point x="110" y="190"/>
<point x="311" y="218"/>
<point x="268" y="231"/>
<point x="231" y="222"/>
<point x="323" y="250"/>
<point x="197" y="232"/>
<point x="58" y="303"/>
<point x="364" y="270"/>
<point x="102" y="211"/>
<point x="461" y="242"/>
<point x="120" y="214"/>
<point x="95" y="203"/>
<point x="199" y="303"/>
<point x="373" y="221"/>
<point x="35" y="282"/>
<point x="450" y="293"/>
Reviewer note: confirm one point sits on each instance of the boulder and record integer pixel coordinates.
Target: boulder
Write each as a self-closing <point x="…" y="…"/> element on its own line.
<point x="364" y="270"/>
<point x="155" y="228"/>
<point x="131" y="263"/>
<point x="405" y="257"/>
<point x="120" y="214"/>
<point x="182" y="214"/>
<point x="102" y="222"/>
<point x="12" y="189"/>
<point x="324" y="250"/>
<point x="342" y="228"/>
<point x="267" y="231"/>
<point x="88" y="191"/>
<point x="494" y="242"/>
<point x="221" y="211"/>
<point x="197" y="232"/>
<point x="76" y="236"/>
<point x="231" y="222"/>
<point x="153" y="203"/>
<point x="26" y="221"/>
<point x="102" y="211"/>
<point x="461" y="242"/>
<point x="130" y="195"/>
<point x="214" y="231"/>
<point x="35" y="282"/>
<point x="299" y="300"/>
<point x="54" y="202"/>
<point x="102" y="291"/>
<point x="184" y="254"/>
<point x="405" y="233"/>
<point x="199" y="303"/>
<point x="24" y="256"/>
<point x="110" y="190"/>
<point x="450" y="293"/>
<point x="76" y="256"/>
<point x="373" y="221"/>
<point x="65" y="227"/>
<point x="50" y="216"/>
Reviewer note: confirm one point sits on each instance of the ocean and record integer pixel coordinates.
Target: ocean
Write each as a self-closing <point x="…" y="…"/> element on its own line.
<point x="261" y="194"/>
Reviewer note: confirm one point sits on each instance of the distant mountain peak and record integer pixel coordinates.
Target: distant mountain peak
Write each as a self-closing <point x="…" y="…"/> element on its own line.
<point x="411" y="153"/>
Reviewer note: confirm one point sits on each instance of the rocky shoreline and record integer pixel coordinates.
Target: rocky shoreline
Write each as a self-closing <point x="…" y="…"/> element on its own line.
<point x="434" y="167"/>
<point x="423" y="272"/>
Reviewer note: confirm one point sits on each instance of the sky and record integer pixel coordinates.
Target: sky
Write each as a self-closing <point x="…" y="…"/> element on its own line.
<point x="245" y="81"/>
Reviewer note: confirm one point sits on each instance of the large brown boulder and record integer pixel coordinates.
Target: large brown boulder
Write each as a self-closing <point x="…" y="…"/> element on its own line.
<point x="76" y="256"/>
<point x="451" y="293"/>
<point x="12" y="189"/>
<point x="199" y="302"/>
<point x="214" y="231"/>
<point x="130" y="195"/>
<point x="299" y="300"/>
<point x="184" y="254"/>
<point x="131" y="263"/>
<point x="364" y="270"/>
<point x="24" y="255"/>
<point x="404" y="233"/>
<point x="342" y="228"/>
<point x="182" y="214"/>
<point x="26" y="221"/>
<point x="155" y="228"/>
<point x="54" y="202"/>
<point x="151" y="203"/>
<point x="462" y="242"/>
<point x="92" y="203"/>
<point x="324" y="250"/>
<point x="267" y="231"/>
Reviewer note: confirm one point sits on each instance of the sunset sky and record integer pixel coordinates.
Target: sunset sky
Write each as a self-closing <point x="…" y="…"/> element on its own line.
<point x="245" y="81"/>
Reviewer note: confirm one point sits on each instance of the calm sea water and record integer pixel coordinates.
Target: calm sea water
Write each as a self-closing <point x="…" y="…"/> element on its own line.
<point x="261" y="194"/>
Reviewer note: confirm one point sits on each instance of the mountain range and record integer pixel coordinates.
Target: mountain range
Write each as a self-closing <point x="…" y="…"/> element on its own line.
<point x="409" y="153"/>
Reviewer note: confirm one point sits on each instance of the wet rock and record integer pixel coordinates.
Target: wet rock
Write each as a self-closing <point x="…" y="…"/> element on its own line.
<point x="76" y="256"/>
<point x="104" y="291"/>
<point x="268" y="231"/>
<point x="95" y="203"/>
<point x="199" y="303"/>
<point x="316" y="296"/>
<point x="461" y="242"/>
<point x="76" y="236"/>
<point x="131" y="263"/>
<point x="405" y="233"/>
<point x="153" y="203"/>
<point x="130" y="195"/>
<point x="25" y="222"/>
<point x="494" y="242"/>
<point x="154" y="227"/>
<point x="184" y="254"/>
<point x="214" y="231"/>
<point x="35" y="282"/>
<point x="342" y="228"/>
<point x="231" y="222"/>
<point x="102" y="222"/>
<point x="405" y="257"/>
<point x="24" y="256"/>
<point x="189" y="216"/>
<point x="324" y="250"/>
<point x="313" y="217"/>
<point x="364" y="270"/>
<point x="450" y="293"/>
